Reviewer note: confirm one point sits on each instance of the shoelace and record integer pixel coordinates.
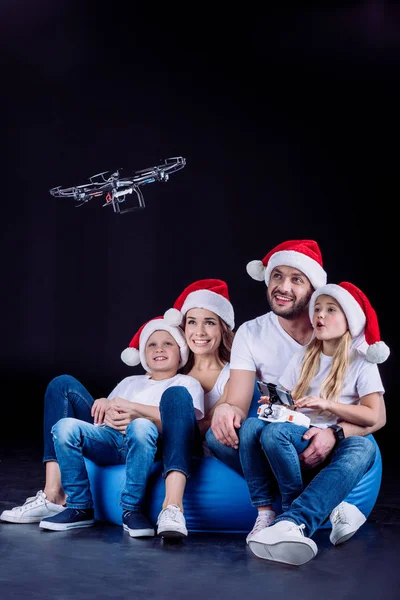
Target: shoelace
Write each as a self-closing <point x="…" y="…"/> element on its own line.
<point x="262" y="521"/>
<point x="339" y="515"/>
<point x="170" y="513"/>
<point x="34" y="500"/>
<point x="299" y="528"/>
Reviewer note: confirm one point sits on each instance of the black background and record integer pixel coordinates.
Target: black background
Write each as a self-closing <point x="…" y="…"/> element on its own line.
<point x="288" y="120"/>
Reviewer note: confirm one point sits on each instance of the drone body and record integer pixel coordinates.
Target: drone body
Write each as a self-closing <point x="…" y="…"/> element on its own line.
<point x="115" y="188"/>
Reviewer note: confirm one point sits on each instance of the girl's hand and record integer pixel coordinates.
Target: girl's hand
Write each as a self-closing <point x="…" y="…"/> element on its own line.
<point x="264" y="400"/>
<point x="312" y="402"/>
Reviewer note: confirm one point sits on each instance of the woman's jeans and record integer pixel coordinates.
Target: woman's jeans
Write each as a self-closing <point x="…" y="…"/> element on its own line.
<point x="75" y="439"/>
<point x="282" y="443"/>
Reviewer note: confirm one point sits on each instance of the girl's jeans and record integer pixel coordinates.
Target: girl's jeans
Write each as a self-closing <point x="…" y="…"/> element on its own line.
<point x="282" y="443"/>
<point x="75" y="438"/>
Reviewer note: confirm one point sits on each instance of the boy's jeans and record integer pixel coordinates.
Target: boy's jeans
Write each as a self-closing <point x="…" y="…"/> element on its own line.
<point x="282" y="443"/>
<point x="74" y="438"/>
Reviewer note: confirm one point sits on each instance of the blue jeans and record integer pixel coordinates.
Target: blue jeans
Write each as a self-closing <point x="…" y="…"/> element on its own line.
<point x="226" y="454"/>
<point x="75" y="439"/>
<point x="331" y="482"/>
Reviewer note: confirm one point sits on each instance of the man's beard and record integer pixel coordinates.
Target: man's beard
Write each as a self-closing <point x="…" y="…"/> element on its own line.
<point x="294" y="311"/>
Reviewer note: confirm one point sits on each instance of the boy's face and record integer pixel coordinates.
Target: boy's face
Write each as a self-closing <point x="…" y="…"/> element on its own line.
<point x="162" y="353"/>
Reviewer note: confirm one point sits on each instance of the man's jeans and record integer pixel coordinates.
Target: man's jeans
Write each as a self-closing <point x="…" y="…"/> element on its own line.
<point x="74" y="439"/>
<point x="282" y="442"/>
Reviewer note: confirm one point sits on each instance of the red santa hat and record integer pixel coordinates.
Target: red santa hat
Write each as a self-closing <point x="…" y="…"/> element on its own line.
<point x="210" y="294"/>
<point x="304" y="255"/>
<point x="135" y="353"/>
<point x="361" y="318"/>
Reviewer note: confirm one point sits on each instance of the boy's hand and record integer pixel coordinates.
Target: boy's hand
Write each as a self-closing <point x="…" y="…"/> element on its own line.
<point x="98" y="410"/>
<point x="119" y="418"/>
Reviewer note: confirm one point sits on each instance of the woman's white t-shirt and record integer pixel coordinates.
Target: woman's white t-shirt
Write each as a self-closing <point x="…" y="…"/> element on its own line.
<point x="211" y="397"/>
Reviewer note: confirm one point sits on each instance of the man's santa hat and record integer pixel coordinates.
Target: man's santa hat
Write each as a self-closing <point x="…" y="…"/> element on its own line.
<point x="303" y="255"/>
<point x="210" y="294"/>
<point x="361" y="318"/>
<point x="135" y="353"/>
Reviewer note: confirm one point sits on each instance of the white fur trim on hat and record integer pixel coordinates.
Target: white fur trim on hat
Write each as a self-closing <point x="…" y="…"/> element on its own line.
<point x="354" y="314"/>
<point x="297" y="260"/>
<point x="209" y="300"/>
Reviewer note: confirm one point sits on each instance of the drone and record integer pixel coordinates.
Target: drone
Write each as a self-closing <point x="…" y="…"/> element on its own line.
<point x="114" y="188"/>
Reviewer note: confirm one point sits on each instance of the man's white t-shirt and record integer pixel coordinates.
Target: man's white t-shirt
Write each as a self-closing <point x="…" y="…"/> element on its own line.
<point x="263" y="346"/>
<point x="144" y="390"/>
<point x="362" y="378"/>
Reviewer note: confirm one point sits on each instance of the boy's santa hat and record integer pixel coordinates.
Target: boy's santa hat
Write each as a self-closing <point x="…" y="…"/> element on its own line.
<point x="304" y="255"/>
<point x="361" y="318"/>
<point x="210" y="294"/>
<point x="135" y="353"/>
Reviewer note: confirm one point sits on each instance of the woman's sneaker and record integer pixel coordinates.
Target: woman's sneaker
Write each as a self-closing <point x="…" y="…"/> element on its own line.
<point x="283" y="542"/>
<point x="136" y="524"/>
<point x="33" y="510"/>
<point x="70" y="518"/>
<point x="264" y="519"/>
<point x="171" y="523"/>
<point x="346" y="520"/>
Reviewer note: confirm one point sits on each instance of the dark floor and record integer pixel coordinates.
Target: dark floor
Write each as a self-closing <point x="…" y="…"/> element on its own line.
<point x="104" y="562"/>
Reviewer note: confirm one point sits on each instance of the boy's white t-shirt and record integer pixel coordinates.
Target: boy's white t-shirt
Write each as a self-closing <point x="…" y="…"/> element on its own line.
<point x="144" y="390"/>
<point x="211" y="397"/>
<point x="263" y="346"/>
<point x="362" y="378"/>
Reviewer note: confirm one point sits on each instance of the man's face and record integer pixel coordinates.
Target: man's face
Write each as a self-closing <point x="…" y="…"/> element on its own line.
<point x="289" y="292"/>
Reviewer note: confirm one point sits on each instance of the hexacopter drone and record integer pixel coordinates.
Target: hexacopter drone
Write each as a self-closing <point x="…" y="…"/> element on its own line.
<point x="115" y="188"/>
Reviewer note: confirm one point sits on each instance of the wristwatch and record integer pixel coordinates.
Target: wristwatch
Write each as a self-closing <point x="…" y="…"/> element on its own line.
<point x="338" y="431"/>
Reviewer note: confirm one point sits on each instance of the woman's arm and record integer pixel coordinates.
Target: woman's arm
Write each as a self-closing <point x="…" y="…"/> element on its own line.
<point x="365" y="414"/>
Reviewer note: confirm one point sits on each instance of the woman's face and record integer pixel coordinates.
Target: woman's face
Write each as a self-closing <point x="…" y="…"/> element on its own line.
<point x="203" y="331"/>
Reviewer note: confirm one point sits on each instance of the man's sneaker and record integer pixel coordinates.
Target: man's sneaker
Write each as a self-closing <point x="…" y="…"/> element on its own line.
<point x="283" y="542"/>
<point x="346" y="519"/>
<point x="171" y="522"/>
<point x="33" y="510"/>
<point x="70" y="518"/>
<point x="136" y="524"/>
<point x="264" y="519"/>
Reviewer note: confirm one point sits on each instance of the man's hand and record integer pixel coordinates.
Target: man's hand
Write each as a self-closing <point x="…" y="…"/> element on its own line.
<point x="321" y="445"/>
<point x="98" y="410"/>
<point x="225" y="420"/>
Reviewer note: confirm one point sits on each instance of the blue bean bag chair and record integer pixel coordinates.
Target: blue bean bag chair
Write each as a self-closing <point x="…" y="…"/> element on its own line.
<point x="216" y="497"/>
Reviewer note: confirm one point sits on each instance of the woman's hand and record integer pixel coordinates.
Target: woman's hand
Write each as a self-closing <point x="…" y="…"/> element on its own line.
<point x="98" y="410"/>
<point x="312" y="402"/>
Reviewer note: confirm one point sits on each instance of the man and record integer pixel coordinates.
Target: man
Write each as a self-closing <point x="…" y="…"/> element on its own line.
<point x="262" y="348"/>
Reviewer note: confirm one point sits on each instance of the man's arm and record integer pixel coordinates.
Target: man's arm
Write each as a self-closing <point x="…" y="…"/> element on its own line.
<point x="229" y="415"/>
<point x="323" y="440"/>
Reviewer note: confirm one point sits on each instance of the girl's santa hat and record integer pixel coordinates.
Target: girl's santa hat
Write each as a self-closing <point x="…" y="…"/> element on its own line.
<point x="361" y="318"/>
<point x="303" y="255"/>
<point x="210" y="294"/>
<point x="135" y="353"/>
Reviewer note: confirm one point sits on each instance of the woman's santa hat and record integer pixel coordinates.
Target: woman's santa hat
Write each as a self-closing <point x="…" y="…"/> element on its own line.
<point x="303" y="255"/>
<point x="210" y="294"/>
<point x="135" y="353"/>
<point x="361" y="318"/>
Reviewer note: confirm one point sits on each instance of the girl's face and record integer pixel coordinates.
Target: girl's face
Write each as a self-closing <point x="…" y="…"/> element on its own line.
<point x="329" y="320"/>
<point x="203" y="331"/>
<point x="162" y="352"/>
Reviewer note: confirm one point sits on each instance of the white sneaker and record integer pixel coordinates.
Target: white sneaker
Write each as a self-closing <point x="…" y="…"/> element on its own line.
<point x="346" y="519"/>
<point x="171" y="523"/>
<point x="264" y="519"/>
<point x="283" y="542"/>
<point x="33" y="510"/>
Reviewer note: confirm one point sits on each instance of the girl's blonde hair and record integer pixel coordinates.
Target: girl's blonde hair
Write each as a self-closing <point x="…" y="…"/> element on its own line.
<point x="224" y="349"/>
<point x="332" y="385"/>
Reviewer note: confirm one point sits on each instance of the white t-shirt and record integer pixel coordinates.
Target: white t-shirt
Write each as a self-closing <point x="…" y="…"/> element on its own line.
<point x="211" y="397"/>
<point x="144" y="390"/>
<point x="362" y="378"/>
<point x="263" y="346"/>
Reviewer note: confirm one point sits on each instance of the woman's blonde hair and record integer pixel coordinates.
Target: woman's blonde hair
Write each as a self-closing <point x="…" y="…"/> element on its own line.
<point x="333" y="384"/>
<point x="224" y="349"/>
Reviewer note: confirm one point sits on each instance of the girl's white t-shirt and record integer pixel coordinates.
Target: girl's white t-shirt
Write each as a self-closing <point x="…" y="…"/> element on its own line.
<point x="144" y="390"/>
<point x="362" y="378"/>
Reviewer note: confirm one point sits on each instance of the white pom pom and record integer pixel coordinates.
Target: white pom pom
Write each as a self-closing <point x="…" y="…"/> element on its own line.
<point x="377" y="353"/>
<point x="256" y="270"/>
<point x="173" y="317"/>
<point x="130" y="356"/>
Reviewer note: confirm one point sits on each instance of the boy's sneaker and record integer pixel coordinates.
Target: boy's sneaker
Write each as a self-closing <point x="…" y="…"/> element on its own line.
<point x="171" y="523"/>
<point x="136" y="524"/>
<point x="70" y="518"/>
<point x="33" y="510"/>
<point x="283" y="542"/>
<point x="264" y="519"/>
<point x="346" y="519"/>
